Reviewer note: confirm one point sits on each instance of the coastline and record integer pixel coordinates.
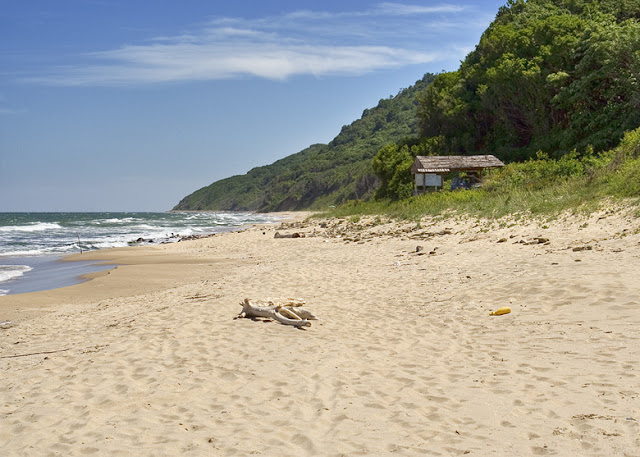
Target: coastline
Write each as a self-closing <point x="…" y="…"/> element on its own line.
<point x="405" y="357"/>
<point x="47" y="272"/>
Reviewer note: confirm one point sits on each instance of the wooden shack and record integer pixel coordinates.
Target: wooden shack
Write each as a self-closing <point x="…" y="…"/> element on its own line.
<point x="429" y="171"/>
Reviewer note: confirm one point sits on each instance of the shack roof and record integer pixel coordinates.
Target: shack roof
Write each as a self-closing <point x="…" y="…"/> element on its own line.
<point x="446" y="164"/>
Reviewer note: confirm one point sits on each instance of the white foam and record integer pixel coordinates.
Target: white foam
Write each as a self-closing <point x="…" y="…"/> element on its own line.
<point x="34" y="227"/>
<point x="8" y="272"/>
<point x="38" y="251"/>
<point x="124" y="220"/>
<point x="116" y="230"/>
<point x="109" y="244"/>
<point x="24" y="253"/>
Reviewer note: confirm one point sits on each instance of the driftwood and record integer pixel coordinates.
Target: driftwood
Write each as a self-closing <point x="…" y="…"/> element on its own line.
<point x="32" y="353"/>
<point x="5" y="325"/>
<point x="289" y="235"/>
<point x="288" y="311"/>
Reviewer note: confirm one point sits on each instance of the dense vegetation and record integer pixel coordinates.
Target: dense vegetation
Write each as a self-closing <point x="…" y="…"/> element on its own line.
<point x="552" y="75"/>
<point x="557" y="76"/>
<point x="536" y="187"/>
<point x="552" y="83"/>
<point x="323" y="174"/>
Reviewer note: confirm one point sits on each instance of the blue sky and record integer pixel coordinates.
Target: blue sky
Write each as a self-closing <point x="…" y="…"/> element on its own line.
<point x="125" y="105"/>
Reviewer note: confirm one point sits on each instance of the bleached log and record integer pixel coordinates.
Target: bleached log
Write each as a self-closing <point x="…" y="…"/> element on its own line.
<point x="303" y="313"/>
<point x="288" y="312"/>
<point x="272" y="312"/>
<point x="289" y="302"/>
<point x="296" y="313"/>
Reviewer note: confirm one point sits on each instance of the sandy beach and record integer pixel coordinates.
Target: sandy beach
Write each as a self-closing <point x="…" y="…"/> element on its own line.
<point x="405" y="359"/>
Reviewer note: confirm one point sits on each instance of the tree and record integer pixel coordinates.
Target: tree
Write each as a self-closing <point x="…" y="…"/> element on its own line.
<point x="547" y="74"/>
<point x="392" y="164"/>
<point x="602" y="99"/>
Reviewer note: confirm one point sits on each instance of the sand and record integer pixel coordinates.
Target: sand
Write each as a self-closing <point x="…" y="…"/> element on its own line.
<point x="404" y="360"/>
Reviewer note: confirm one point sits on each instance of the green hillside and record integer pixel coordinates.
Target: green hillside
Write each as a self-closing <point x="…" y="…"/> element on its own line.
<point x="552" y="77"/>
<point x="322" y="174"/>
<point x="556" y="77"/>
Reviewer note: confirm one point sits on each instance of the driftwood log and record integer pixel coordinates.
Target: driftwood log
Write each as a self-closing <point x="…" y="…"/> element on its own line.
<point x="286" y="311"/>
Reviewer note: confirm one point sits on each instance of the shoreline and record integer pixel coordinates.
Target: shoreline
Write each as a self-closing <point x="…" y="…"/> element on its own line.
<point x="57" y="275"/>
<point x="46" y="272"/>
<point x="404" y="357"/>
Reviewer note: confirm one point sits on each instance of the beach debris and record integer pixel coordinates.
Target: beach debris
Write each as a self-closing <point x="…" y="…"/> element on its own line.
<point x="140" y="241"/>
<point x="500" y="311"/>
<point x="287" y="311"/>
<point x="33" y="353"/>
<point x="6" y="324"/>
<point x="201" y="296"/>
<point x="536" y="240"/>
<point x="582" y="248"/>
<point x="193" y="237"/>
<point x="289" y="235"/>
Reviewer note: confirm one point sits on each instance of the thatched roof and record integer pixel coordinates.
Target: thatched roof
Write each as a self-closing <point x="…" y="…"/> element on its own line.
<point x="446" y="164"/>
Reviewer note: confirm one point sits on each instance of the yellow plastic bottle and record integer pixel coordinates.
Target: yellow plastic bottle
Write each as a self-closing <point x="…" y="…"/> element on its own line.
<point x="500" y="311"/>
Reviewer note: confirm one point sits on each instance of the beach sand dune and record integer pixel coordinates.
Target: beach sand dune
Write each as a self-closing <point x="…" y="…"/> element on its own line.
<point x="405" y="359"/>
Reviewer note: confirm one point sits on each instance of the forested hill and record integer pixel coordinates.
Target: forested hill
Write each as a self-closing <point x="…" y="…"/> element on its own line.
<point x="549" y="75"/>
<point x="322" y="174"/>
<point x="552" y="76"/>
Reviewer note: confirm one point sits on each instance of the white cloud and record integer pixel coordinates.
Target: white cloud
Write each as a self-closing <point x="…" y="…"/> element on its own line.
<point x="188" y="62"/>
<point x="297" y="43"/>
<point x="403" y="9"/>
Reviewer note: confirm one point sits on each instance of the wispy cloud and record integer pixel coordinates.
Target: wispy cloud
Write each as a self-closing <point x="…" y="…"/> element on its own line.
<point x="189" y="62"/>
<point x="10" y="111"/>
<point x="305" y="42"/>
<point x="401" y="9"/>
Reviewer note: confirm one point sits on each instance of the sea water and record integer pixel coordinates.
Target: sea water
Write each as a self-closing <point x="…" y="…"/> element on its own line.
<point x="32" y="244"/>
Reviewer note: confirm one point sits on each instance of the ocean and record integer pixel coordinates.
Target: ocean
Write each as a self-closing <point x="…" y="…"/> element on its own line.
<point x="33" y="244"/>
